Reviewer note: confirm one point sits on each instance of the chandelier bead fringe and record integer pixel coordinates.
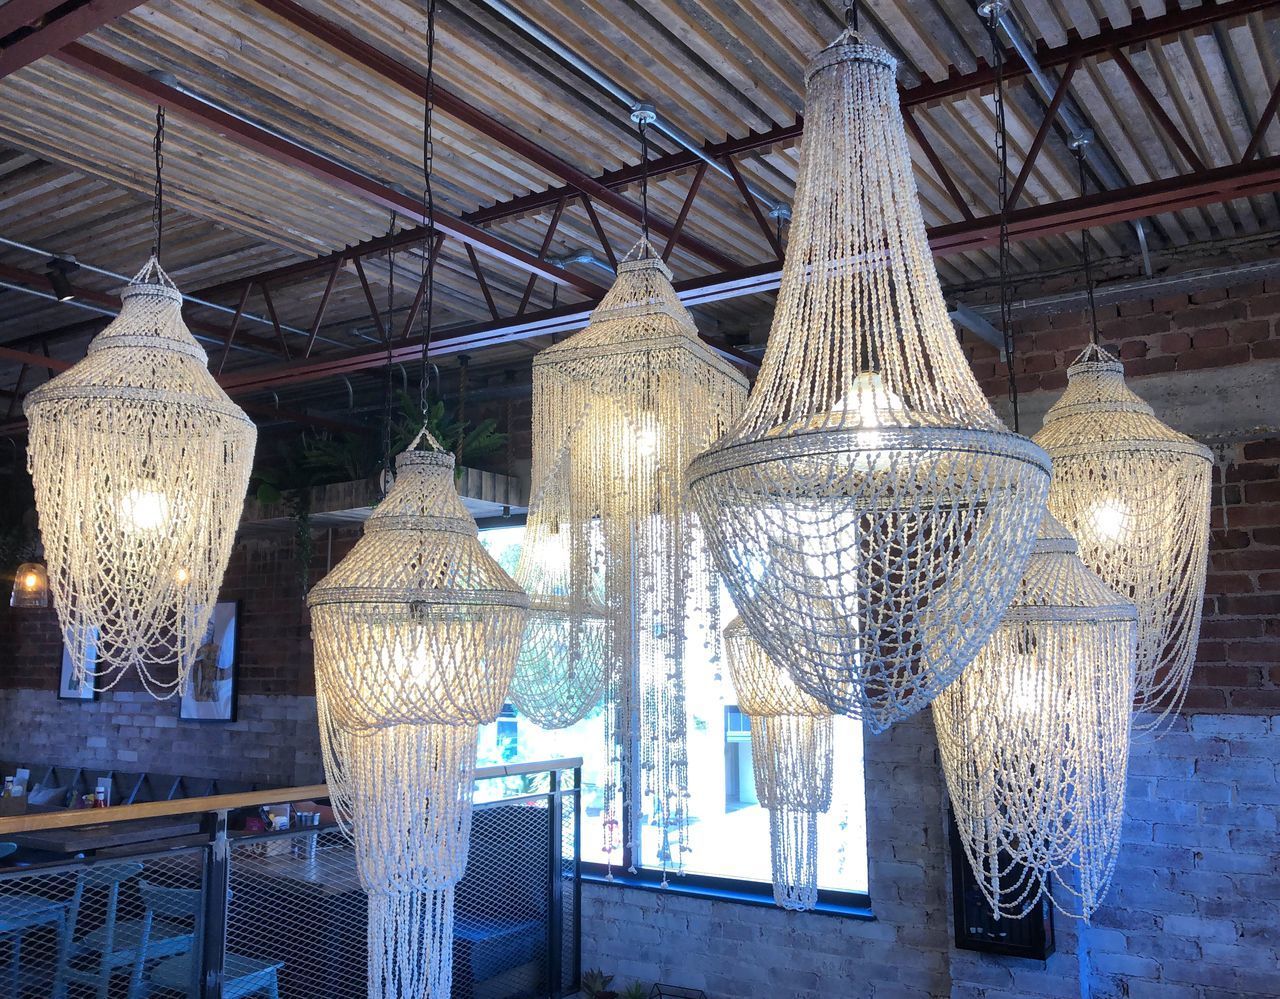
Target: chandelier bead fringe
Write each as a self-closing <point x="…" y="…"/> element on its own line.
<point x="869" y="513"/>
<point x="1136" y="494"/>
<point x="631" y="398"/>
<point x="140" y="463"/>
<point x="1034" y="737"/>
<point x="792" y="759"/>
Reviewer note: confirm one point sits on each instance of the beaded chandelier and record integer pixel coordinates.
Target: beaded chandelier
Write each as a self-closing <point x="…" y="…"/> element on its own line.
<point x="1136" y="495"/>
<point x="632" y="398"/>
<point x="792" y="757"/>
<point x="869" y="512"/>
<point x="568" y="642"/>
<point x="140" y="462"/>
<point x="1034" y="736"/>
<point x="416" y="633"/>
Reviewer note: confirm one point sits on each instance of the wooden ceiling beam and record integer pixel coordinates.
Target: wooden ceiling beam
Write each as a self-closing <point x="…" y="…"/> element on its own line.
<point x="48" y="35"/>
<point x="294" y="156"/>
<point x="409" y="79"/>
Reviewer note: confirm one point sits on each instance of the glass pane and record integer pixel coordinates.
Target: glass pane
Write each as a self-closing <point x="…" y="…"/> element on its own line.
<point x="729" y="831"/>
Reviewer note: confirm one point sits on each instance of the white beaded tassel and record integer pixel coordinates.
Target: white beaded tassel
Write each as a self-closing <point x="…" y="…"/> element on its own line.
<point x="791" y="754"/>
<point x="568" y="643"/>
<point x="1034" y="736"/>
<point x="1136" y="495"/>
<point x="140" y="462"/>
<point x="632" y="398"/>
<point x="870" y="514"/>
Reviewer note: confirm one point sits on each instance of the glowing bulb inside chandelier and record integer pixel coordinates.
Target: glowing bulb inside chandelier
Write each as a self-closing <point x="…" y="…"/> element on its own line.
<point x="143" y="511"/>
<point x="30" y="582"/>
<point x="183" y="575"/>
<point x="1110" y="520"/>
<point x="646" y="438"/>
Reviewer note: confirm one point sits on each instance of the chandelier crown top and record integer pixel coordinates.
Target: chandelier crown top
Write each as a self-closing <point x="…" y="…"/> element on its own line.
<point x="849" y="47"/>
<point x="1097" y="403"/>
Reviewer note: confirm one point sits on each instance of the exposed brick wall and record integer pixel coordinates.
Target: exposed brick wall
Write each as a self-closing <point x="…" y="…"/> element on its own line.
<point x="1209" y="329"/>
<point x="274" y="740"/>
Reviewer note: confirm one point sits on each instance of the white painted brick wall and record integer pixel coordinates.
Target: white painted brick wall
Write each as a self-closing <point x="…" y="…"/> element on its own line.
<point x="132" y="732"/>
<point x="1194" y="912"/>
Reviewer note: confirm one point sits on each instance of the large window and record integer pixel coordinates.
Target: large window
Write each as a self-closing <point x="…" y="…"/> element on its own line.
<point x="729" y="831"/>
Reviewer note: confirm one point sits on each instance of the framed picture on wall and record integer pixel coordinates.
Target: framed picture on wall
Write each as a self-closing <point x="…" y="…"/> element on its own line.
<point x="86" y="689"/>
<point x="210" y="693"/>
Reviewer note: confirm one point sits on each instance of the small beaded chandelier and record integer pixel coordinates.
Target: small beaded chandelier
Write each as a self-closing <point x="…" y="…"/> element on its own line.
<point x="418" y="624"/>
<point x="568" y="642"/>
<point x="792" y="757"/>
<point x="1136" y="494"/>
<point x="631" y="399"/>
<point x="869" y="512"/>
<point x="140" y="462"/>
<point x="1034" y="736"/>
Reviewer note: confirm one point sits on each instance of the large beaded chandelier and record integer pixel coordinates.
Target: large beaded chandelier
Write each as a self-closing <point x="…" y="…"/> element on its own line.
<point x="140" y="462"/>
<point x="791" y="755"/>
<point x="632" y="398"/>
<point x="416" y="633"/>
<point x="1034" y="736"/>
<point x="568" y="643"/>
<point x="869" y="512"/>
<point x="1135" y="493"/>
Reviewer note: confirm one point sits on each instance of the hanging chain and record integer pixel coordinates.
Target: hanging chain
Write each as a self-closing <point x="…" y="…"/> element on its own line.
<point x="993" y="13"/>
<point x="157" y="206"/>
<point x="428" y="208"/>
<point x="851" y="17"/>
<point x="1079" y="145"/>
<point x="644" y="115"/>
<point x="387" y="457"/>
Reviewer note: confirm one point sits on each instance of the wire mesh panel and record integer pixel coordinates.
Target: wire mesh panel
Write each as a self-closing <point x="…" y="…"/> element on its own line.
<point x="296" y="901"/>
<point x="131" y="926"/>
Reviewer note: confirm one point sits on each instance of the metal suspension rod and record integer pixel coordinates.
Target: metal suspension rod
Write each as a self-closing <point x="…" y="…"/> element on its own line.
<point x="682" y="138"/>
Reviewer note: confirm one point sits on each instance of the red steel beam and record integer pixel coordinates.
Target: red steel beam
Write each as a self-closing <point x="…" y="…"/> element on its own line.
<point x="282" y="150"/>
<point x="409" y="79"/>
<point x="1138" y="31"/>
<point x="1175" y="194"/>
<point x="47" y="36"/>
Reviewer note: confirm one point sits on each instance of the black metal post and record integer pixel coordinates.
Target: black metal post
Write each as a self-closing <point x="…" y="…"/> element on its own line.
<point x="213" y="916"/>
<point x="555" y="893"/>
<point x="577" y="879"/>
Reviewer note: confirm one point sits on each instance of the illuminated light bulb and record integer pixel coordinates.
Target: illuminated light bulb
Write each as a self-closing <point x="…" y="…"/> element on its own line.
<point x="1110" y="519"/>
<point x="182" y="575"/>
<point x="143" y="511"/>
<point x="30" y="581"/>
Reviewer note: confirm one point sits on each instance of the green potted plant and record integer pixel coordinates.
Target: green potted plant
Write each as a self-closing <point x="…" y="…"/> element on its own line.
<point x="595" y="985"/>
<point x="635" y="990"/>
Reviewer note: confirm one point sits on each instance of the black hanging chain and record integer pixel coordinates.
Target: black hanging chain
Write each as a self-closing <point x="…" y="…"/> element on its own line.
<point x="1002" y="190"/>
<point x="1080" y="145"/>
<point x="851" y="17"/>
<point x="428" y="210"/>
<point x="157" y="206"/>
<point x="387" y="457"/>
<point x="643" y="124"/>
